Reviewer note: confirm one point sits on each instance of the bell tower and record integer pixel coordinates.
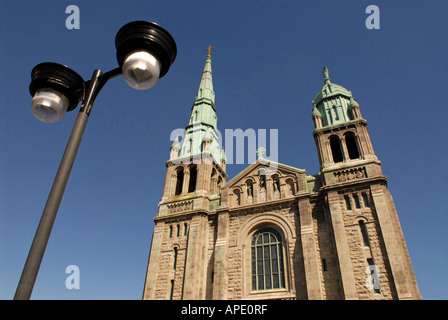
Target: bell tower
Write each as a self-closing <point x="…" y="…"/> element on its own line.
<point x="340" y="132"/>
<point x="357" y="198"/>
<point x="195" y="172"/>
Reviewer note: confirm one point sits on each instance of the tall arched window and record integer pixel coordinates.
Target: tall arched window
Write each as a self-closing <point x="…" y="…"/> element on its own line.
<point x="290" y="189"/>
<point x="174" y="258"/>
<point x="336" y="150"/>
<point x="193" y="178"/>
<point x="250" y="189"/>
<point x="237" y="197"/>
<point x="262" y="182"/>
<point x="365" y="235"/>
<point x="179" y="181"/>
<point x="352" y="147"/>
<point x="267" y="260"/>
<point x="276" y="183"/>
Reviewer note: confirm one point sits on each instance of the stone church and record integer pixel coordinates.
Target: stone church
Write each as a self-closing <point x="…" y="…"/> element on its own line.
<point x="278" y="234"/>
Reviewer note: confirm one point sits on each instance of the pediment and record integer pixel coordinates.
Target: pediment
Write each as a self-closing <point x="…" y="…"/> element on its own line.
<point x="267" y="168"/>
<point x="264" y="181"/>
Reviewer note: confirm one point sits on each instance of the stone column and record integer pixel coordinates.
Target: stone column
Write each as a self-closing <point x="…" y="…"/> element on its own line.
<point x="195" y="261"/>
<point x="186" y="180"/>
<point x="269" y="188"/>
<point x="342" y="249"/>
<point x="204" y="172"/>
<point x="168" y="189"/>
<point x="283" y="188"/>
<point x="243" y="195"/>
<point x="310" y="254"/>
<point x="153" y="263"/>
<point x="344" y="150"/>
<point x="326" y="152"/>
<point x="255" y="189"/>
<point x="220" y="264"/>
<point x="391" y="237"/>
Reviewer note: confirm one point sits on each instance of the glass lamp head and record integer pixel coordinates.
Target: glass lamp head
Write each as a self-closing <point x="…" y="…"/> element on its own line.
<point x="55" y="89"/>
<point x="49" y="105"/>
<point x="145" y="52"/>
<point x="141" y="70"/>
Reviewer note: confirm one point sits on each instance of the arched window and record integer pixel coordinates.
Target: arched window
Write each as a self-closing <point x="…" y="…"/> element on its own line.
<point x="365" y="235"/>
<point x="179" y="181"/>
<point x="250" y="189"/>
<point x="290" y="189"/>
<point x="267" y="260"/>
<point x="276" y="183"/>
<point x="174" y="258"/>
<point x="336" y="151"/>
<point x="352" y="147"/>
<point x="193" y="178"/>
<point x="237" y="196"/>
<point x="262" y="182"/>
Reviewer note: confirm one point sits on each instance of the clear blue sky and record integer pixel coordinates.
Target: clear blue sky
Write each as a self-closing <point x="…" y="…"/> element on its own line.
<point x="267" y="66"/>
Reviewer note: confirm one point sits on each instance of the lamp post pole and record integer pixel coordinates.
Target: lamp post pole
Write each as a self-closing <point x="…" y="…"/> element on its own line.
<point x="36" y="253"/>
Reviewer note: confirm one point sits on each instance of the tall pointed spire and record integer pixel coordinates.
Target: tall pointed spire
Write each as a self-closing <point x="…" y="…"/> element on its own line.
<point x="205" y="90"/>
<point x="201" y="130"/>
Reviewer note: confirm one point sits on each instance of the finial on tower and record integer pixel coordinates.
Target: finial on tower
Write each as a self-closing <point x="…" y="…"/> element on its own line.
<point x="326" y="75"/>
<point x="209" y="49"/>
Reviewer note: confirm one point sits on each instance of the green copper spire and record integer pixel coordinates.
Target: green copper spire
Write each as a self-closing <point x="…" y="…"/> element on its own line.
<point x="205" y="92"/>
<point x="201" y="135"/>
<point x="204" y="110"/>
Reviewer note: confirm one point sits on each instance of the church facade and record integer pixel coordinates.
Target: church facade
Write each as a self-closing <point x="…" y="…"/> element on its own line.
<point x="274" y="231"/>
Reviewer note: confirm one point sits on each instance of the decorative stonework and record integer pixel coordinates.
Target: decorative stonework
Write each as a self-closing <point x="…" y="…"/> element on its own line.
<point x="180" y="206"/>
<point x="350" y="174"/>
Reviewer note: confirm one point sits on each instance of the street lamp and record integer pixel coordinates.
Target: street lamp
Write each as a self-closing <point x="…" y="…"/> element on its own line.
<point x="145" y="52"/>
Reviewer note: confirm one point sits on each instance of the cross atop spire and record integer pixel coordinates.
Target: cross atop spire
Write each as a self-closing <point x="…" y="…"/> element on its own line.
<point x="209" y="49"/>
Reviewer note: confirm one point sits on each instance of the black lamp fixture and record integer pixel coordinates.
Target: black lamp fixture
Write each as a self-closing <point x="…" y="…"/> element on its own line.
<point x="145" y="52"/>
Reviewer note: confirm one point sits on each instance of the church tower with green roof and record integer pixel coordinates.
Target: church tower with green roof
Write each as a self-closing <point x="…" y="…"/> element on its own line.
<point x="196" y="170"/>
<point x="355" y="191"/>
<point x="201" y="132"/>
<point x="340" y="131"/>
